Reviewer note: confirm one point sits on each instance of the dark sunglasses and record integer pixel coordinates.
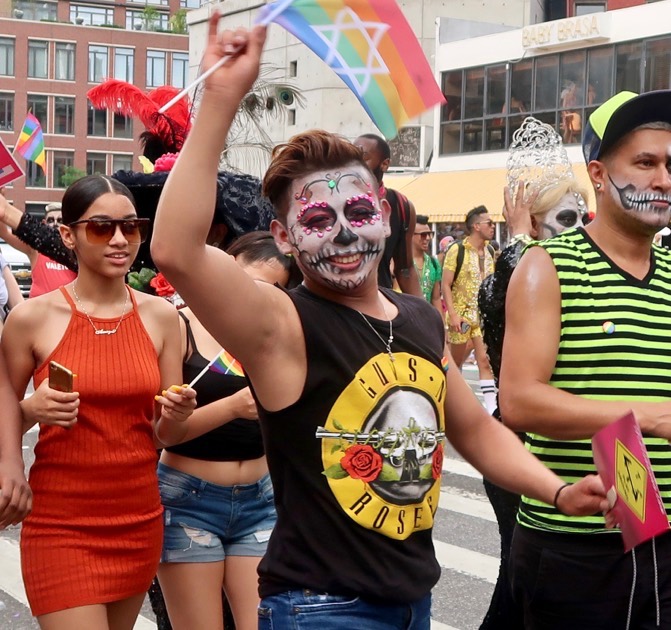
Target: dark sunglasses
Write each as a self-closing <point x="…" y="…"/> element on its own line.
<point x="490" y="223"/>
<point x="52" y="220"/>
<point x="424" y="234"/>
<point x="101" y="231"/>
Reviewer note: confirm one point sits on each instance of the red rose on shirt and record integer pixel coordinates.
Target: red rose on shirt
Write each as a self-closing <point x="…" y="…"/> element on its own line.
<point x="437" y="463"/>
<point x="361" y="461"/>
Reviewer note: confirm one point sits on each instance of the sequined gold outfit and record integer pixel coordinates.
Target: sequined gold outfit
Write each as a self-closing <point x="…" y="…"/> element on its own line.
<point x="466" y="286"/>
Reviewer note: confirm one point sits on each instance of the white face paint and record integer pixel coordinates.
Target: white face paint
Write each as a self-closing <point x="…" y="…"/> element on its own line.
<point x="336" y="227"/>
<point x="565" y="215"/>
<point x="639" y="181"/>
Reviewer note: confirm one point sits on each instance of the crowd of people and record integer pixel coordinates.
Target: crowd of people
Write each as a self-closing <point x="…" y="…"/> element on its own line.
<point x="279" y="438"/>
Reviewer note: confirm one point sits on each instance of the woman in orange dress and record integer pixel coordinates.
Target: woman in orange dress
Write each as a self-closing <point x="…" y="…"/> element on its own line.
<point x="92" y="544"/>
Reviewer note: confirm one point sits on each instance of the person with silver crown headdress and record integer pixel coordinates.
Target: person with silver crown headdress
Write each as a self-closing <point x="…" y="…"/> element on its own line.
<point x="542" y="199"/>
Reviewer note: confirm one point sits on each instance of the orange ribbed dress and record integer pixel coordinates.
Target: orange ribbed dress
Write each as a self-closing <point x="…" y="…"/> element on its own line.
<point x="95" y="533"/>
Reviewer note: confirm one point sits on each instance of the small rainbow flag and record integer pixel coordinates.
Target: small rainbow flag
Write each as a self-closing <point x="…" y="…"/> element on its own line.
<point x="226" y="363"/>
<point x="371" y="46"/>
<point x="445" y="364"/>
<point x="31" y="141"/>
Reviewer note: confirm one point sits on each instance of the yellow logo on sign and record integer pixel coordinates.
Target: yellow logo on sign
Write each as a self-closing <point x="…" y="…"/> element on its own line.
<point x="631" y="480"/>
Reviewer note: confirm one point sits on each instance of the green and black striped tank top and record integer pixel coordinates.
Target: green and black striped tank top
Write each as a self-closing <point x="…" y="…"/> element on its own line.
<point x="615" y="344"/>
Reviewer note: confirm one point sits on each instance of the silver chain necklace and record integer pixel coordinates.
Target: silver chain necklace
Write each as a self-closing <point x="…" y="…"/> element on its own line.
<point x="387" y="344"/>
<point x="101" y="331"/>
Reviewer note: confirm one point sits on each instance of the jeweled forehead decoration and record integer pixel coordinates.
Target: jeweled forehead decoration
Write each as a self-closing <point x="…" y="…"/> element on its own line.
<point x="333" y="183"/>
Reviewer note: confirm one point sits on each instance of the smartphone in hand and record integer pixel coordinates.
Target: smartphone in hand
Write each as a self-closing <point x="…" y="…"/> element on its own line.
<point x="60" y="378"/>
<point x="465" y="327"/>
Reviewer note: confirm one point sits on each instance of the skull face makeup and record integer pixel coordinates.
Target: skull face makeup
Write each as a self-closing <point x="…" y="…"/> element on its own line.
<point x="336" y="226"/>
<point x="567" y="214"/>
<point x="639" y="179"/>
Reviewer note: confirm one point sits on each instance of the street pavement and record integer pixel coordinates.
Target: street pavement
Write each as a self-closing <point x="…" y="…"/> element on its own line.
<point x="465" y="536"/>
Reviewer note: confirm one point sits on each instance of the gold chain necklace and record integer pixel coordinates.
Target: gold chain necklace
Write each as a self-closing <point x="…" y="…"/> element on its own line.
<point x="101" y="331"/>
<point x="387" y="344"/>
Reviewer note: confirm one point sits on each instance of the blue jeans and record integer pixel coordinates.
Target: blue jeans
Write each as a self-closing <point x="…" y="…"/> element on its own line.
<point x="307" y="610"/>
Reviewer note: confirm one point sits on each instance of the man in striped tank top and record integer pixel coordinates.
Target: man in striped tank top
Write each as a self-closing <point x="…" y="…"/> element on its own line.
<point x="597" y="303"/>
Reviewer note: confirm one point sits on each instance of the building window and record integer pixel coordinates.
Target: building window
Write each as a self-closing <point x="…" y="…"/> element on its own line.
<point x="46" y="11"/>
<point x="65" y="61"/>
<point x="98" y="63"/>
<point x="7" y="56"/>
<point x="134" y="20"/>
<point x="155" y="68"/>
<point x="6" y="111"/>
<point x="64" y="115"/>
<point x="124" y="59"/>
<point x="62" y="161"/>
<point x="147" y="21"/>
<point x="657" y="65"/>
<point x="35" y="176"/>
<point x="189" y="4"/>
<point x="122" y="163"/>
<point x="97" y="121"/>
<point x="96" y="163"/>
<point x="293" y="68"/>
<point x="628" y="58"/>
<point x="180" y="69"/>
<point x="91" y="16"/>
<point x="547" y="82"/>
<point x="292" y="117"/>
<point x="585" y="8"/>
<point x="38" y="105"/>
<point x="123" y="127"/>
<point x="38" y="59"/>
<point x="561" y="90"/>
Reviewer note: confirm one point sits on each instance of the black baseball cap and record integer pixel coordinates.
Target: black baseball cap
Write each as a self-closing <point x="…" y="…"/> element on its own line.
<point x="621" y="114"/>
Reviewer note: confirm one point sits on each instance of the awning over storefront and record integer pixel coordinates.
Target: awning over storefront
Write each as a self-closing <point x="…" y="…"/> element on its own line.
<point x="448" y="196"/>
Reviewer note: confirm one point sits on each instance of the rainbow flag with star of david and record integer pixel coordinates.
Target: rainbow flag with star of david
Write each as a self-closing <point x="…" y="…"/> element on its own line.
<point x="31" y="141"/>
<point x="371" y="47"/>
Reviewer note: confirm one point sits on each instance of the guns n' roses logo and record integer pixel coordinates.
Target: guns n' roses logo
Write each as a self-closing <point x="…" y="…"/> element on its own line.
<point x="382" y="445"/>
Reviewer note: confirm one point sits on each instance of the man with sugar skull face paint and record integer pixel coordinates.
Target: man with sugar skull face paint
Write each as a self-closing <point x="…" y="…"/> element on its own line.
<point x="338" y="230"/>
<point x="599" y="299"/>
<point x="347" y="377"/>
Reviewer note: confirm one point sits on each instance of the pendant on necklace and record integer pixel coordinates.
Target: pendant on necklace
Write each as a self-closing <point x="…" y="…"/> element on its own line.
<point x="105" y="332"/>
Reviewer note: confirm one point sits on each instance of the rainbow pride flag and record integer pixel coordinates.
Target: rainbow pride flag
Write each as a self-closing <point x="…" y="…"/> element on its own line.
<point x="226" y="363"/>
<point x="31" y="141"/>
<point x="371" y="46"/>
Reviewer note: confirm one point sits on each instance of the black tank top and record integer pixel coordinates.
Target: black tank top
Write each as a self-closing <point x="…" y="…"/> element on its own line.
<point x="237" y="440"/>
<point x="356" y="462"/>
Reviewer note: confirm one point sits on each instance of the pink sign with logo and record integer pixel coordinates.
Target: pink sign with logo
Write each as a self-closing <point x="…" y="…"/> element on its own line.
<point x="623" y="463"/>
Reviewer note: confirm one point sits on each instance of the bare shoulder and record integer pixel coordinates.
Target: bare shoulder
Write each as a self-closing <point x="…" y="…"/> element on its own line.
<point x="153" y="306"/>
<point x="35" y="311"/>
<point x="534" y="267"/>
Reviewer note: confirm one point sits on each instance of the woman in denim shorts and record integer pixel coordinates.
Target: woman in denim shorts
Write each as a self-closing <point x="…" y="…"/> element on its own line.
<point x="215" y="487"/>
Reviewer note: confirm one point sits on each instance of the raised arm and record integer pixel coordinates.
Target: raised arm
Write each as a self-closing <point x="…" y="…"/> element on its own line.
<point x="527" y="401"/>
<point x="245" y="317"/>
<point x="34" y="236"/>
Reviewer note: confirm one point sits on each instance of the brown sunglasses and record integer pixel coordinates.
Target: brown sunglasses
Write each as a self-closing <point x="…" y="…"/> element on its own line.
<point x="101" y="231"/>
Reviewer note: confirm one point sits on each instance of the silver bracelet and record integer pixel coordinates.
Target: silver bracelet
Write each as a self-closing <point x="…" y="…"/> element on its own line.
<point x="521" y="238"/>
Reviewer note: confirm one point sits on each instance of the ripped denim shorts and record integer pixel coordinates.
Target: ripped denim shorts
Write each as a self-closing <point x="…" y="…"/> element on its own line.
<point x="205" y="522"/>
